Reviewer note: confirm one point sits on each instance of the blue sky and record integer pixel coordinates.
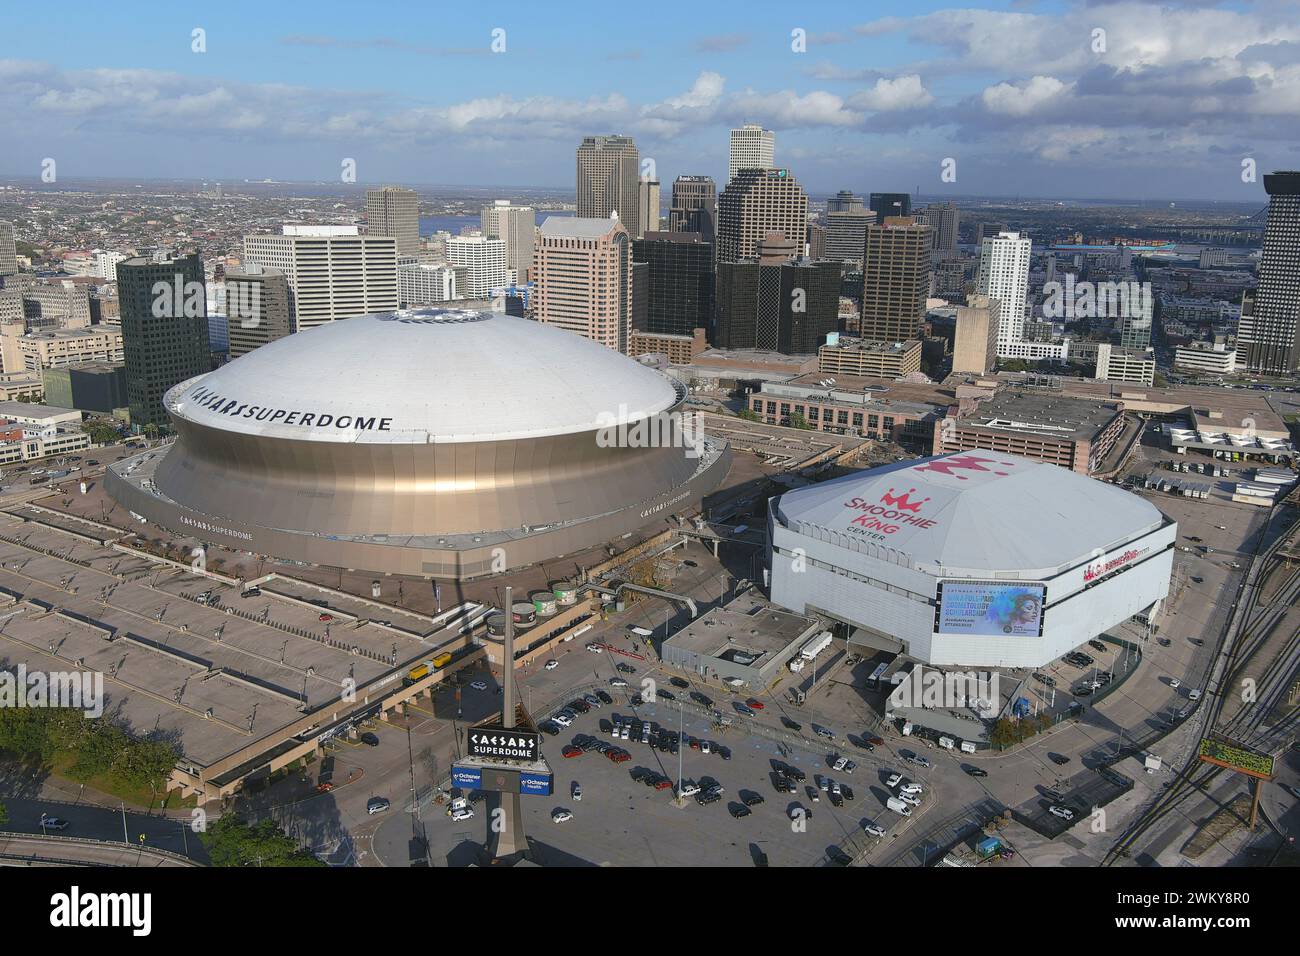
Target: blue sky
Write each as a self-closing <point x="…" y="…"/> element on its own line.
<point x="1125" y="99"/>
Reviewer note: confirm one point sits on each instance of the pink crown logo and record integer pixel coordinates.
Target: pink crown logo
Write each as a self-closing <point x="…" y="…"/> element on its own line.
<point x="901" y="502"/>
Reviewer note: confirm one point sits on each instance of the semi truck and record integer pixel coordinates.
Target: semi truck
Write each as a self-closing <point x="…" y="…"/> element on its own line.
<point x="815" y="645"/>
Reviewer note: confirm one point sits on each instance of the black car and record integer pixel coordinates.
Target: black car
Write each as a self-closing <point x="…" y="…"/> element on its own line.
<point x="751" y="799"/>
<point x="975" y="771"/>
<point x="370" y="740"/>
<point x="667" y="694"/>
<point x="1082" y="691"/>
<point x="724" y="752"/>
<point x="581" y="706"/>
<point x="1097" y="644"/>
<point x="636" y="700"/>
<point x="604" y="697"/>
<point x="737" y="810"/>
<point x="1059" y="759"/>
<point x="848" y="793"/>
<point x="792" y="724"/>
<point x="679" y="682"/>
<point x="794" y="773"/>
<point x="550" y="728"/>
<point x="710" y="796"/>
<point x="839" y="857"/>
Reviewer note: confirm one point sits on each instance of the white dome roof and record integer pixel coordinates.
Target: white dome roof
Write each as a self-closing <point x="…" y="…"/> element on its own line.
<point x="426" y="375"/>
<point x="977" y="510"/>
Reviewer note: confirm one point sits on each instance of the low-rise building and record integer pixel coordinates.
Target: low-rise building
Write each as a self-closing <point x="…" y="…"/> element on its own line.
<point x="680" y="349"/>
<point x="87" y="387"/>
<point x="863" y="358"/>
<point x="1073" y="433"/>
<point x="907" y="413"/>
<point x="1206" y="358"/>
<point x="1135" y="366"/>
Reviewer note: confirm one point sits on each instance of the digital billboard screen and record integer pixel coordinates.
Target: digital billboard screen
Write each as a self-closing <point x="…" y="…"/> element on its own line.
<point x="990" y="609"/>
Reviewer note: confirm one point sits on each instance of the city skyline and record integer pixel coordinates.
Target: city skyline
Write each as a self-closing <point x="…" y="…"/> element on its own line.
<point x="1211" y="85"/>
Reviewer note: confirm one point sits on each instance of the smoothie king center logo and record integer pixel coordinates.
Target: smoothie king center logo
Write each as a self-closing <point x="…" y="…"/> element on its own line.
<point x="894" y="511"/>
<point x="1099" y="569"/>
<point x="956" y="463"/>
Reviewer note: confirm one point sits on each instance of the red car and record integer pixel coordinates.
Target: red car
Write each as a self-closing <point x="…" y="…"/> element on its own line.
<point x="572" y="751"/>
<point x="695" y="744"/>
<point x="325" y="617"/>
<point x="756" y="704"/>
<point x="619" y="756"/>
<point x="324" y="787"/>
<point x="663" y="783"/>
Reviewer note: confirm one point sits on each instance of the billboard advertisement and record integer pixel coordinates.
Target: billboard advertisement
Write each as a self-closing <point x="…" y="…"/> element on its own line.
<point x="990" y="609"/>
<point x="467" y="778"/>
<point x="1234" y="756"/>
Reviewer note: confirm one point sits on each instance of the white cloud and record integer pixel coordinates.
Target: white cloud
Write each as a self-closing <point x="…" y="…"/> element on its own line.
<point x="899" y="93"/>
<point x="1023" y="99"/>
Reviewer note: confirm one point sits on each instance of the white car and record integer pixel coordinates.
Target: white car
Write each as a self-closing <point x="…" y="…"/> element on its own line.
<point x="1175" y="683"/>
<point x="479" y="685"/>
<point x="840" y="763"/>
<point x="705" y="747"/>
<point x="576" y="793"/>
<point x="835" y="789"/>
<point x="873" y="829"/>
<point x="561" y="816"/>
<point x="688" y="789"/>
<point x="562" y="719"/>
<point x="1194" y="695"/>
<point x="911" y="788"/>
<point x="894" y="780"/>
<point x="595" y="649"/>
<point x="551" y="665"/>
<point x="464" y="813"/>
<point x="1065" y="813"/>
<point x="617" y="682"/>
<point x="910" y="799"/>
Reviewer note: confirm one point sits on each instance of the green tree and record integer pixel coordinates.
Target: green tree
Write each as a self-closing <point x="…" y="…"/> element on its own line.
<point x="4" y="815"/>
<point x="798" y="421"/>
<point x="232" y="842"/>
<point x="101" y="434"/>
<point x="748" y="415"/>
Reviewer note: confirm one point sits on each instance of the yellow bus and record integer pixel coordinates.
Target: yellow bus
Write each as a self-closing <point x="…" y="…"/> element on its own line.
<point x="441" y="661"/>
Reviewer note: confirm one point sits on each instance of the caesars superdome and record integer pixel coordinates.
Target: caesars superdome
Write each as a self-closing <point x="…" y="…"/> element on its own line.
<point x="438" y="442"/>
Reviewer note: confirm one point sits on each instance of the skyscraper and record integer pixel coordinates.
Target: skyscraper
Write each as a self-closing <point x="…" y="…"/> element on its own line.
<point x="257" y="308"/>
<point x="846" y="234"/>
<point x="890" y="204"/>
<point x="648" y="207"/>
<point x="164" y="331"/>
<point x="8" y="250"/>
<point x="677" y="292"/>
<point x="975" y="347"/>
<point x="944" y="219"/>
<point x="517" y="226"/>
<point x="844" y="201"/>
<point x="752" y="147"/>
<point x="694" y="206"/>
<point x="609" y="180"/>
<point x="584" y="278"/>
<point x="484" y="262"/>
<point x="755" y="203"/>
<point x="1004" y="275"/>
<point x="395" y="211"/>
<point x="333" y="273"/>
<point x="777" y="303"/>
<point x="1268" y="334"/>
<point x="895" y="280"/>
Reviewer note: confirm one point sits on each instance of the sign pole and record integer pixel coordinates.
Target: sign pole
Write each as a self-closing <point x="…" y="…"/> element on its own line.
<point x="507" y="838"/>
